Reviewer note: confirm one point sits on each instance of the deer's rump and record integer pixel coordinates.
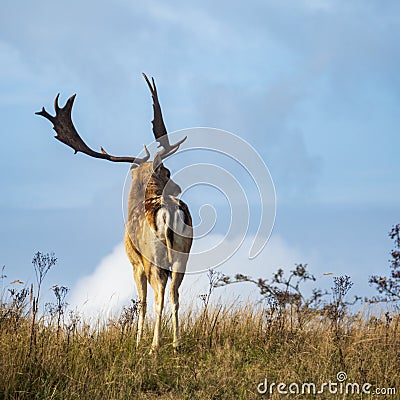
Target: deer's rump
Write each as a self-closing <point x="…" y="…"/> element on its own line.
<point x="162" y="234"/>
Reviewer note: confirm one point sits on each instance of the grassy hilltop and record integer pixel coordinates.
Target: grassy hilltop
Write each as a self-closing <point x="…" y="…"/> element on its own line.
<point x="227" y="350"/>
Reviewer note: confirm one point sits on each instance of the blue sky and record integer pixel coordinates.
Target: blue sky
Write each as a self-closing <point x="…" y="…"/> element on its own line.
<point x="312" y="84"/>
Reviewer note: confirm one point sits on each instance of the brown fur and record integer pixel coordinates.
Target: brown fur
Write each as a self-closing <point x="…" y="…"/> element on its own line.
<point x="153" y="248"/>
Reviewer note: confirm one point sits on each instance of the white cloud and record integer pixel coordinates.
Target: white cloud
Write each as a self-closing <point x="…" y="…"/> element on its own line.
<point x="277" y="253"/>
<point x="111" y="285"/>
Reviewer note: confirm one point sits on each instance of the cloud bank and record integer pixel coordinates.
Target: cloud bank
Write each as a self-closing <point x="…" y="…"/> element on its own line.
<point x="111" y="285"/>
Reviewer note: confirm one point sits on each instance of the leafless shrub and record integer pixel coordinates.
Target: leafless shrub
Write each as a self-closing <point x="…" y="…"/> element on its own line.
<point x="214" y="279"/>
<point x="41" y="264"/>
<point x="284" y="295"/>
<point x="337" y="310"/>
<point x="389" y="287"/>
<point x="58" y="308"/>
<point x="128" y="317"/>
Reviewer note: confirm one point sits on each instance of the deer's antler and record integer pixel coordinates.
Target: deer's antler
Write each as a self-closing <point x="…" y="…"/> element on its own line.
<point x="159" y="129"/>
<point x="66" y="133"/>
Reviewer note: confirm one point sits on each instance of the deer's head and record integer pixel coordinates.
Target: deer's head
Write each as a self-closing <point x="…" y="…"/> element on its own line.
<point x="153" y="179"/>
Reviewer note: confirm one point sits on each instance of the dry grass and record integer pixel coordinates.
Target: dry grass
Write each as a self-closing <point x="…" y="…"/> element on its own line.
<point x="225" y="355"/>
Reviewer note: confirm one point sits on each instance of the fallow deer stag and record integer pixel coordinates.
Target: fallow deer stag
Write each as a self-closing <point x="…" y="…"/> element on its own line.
<point x="158" y="230"/>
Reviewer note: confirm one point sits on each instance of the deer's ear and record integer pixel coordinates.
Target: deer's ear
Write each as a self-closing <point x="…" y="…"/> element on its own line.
<point x="157" y="162"/>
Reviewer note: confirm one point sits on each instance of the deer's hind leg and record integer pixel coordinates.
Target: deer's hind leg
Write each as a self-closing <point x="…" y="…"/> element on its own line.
<point x="141" y="284"/>
<point x="177" y="278"/>
<point x="157" y="278"/>
<point x="140" y="281"/>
